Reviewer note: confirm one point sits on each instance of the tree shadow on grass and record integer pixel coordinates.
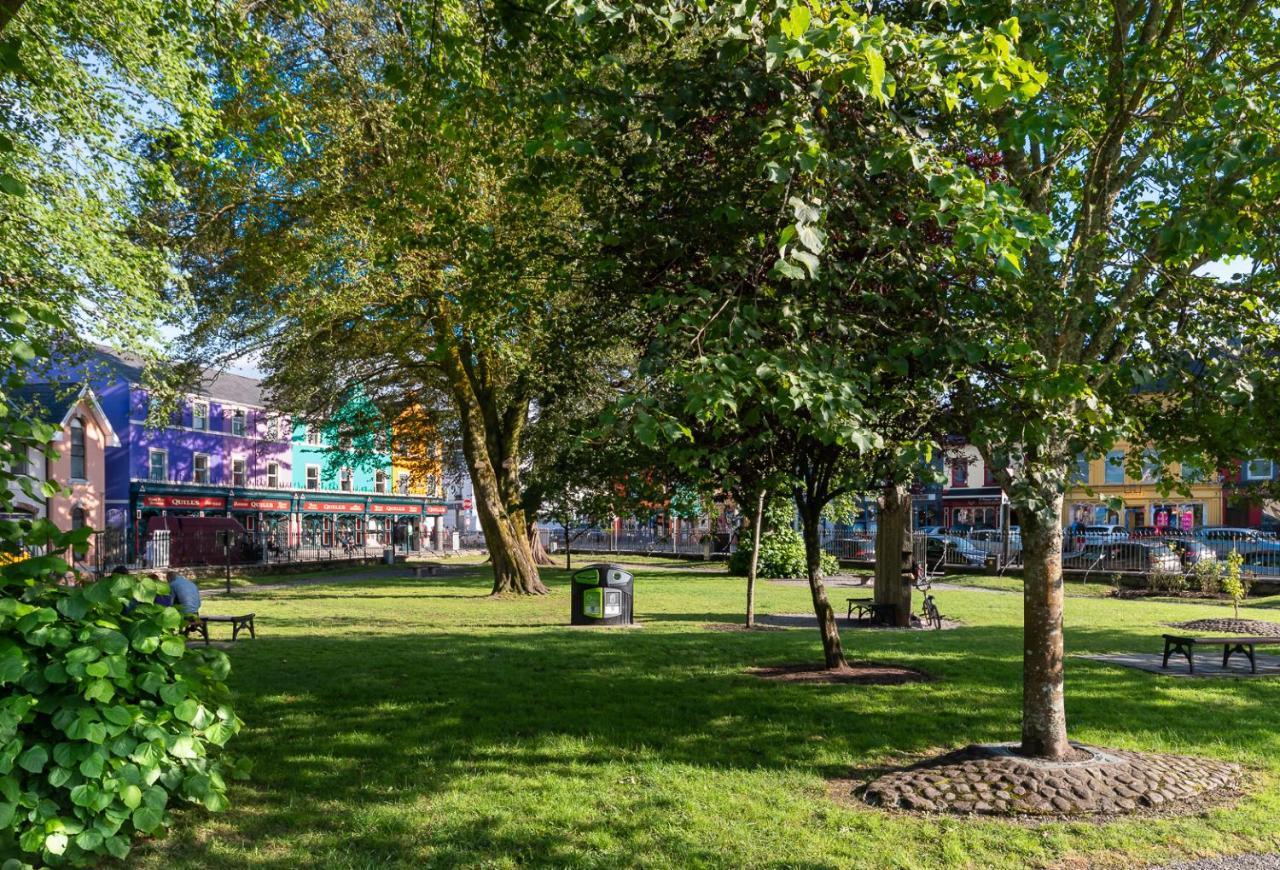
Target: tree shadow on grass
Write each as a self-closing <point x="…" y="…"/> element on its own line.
<point x="354" y="726"/>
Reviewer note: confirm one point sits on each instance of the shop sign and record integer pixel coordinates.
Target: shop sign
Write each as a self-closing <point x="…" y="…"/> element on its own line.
<point x="333" y="507"/>
<point x="260" y="504"/>
<point x="436" y="510"/>
<point x="376" y="508"/>
<point x="200" y="502"/>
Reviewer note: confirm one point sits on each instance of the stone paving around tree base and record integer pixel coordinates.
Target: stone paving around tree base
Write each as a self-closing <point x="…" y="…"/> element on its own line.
<point x="993" y="780"/>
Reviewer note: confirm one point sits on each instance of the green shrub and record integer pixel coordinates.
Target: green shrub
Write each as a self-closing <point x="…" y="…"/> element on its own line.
<point x="781" y="555"/>
<point x="1207" y="575"/>
<point x="105" y="714"/>
<point x="1167" y="581"/>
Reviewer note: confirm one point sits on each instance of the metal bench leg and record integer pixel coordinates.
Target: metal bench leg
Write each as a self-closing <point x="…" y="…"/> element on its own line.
<point x="252" y="634"/>
<point x="1167" y="649"/>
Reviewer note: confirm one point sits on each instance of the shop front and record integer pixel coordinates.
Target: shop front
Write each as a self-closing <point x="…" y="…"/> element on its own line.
<point x="400" y="524"/>
<point x="148" y="505"/>
<point x="973" y="508"/>
<point x="329" y="523"/>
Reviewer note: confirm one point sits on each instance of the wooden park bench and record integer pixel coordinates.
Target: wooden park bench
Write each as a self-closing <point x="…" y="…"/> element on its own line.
<point x="200" y="625"/>
<point x="426" y="569"/>
<point x="1184" y="644"/>
<point x="863" y="608"/>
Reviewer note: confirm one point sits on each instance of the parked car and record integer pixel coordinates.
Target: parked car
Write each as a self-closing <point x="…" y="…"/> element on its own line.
<point x="1104" y="534"/>
<point x="992" y="541"/>
<point x="1147" y="557"/>
<point x="858" y="547"/>
<point x="1190" y="550"/>
<point x="952" y="550"/>
<point x="1145" y="532"/>
<point x="1224" y="539"/>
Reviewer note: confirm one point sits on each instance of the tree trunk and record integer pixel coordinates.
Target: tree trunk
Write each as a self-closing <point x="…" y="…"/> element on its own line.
<point x="894" y="551"/>
<point x="491" y="433"/>
<point x="755" y="559"/>
<point x="1044" y="718"/>
<point x="540" y="555"/>
<point x="831" y="648"/>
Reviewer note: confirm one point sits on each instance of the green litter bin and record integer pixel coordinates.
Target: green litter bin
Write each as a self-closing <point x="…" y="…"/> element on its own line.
<point x="602" y="595"/>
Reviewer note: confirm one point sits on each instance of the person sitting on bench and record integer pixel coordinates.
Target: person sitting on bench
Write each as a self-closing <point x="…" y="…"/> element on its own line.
<point x="183" y="594"/>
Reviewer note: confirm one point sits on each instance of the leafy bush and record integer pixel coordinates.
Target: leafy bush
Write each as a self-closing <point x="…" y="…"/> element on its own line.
<point x="781" y="555"/>
<point x="105" y="714"/>
<point x="1167" y="581"/>
<point x="1207" y="576"/>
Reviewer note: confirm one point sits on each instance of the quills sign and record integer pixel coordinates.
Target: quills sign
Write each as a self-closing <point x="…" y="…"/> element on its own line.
<point x="183" y="501"/>
<point x="336" y="507"/>
<point x="395" y="508"/>
<point x="259" y="504"/>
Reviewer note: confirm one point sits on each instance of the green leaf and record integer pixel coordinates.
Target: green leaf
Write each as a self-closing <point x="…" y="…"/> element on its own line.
<point x="797" y="21"/>
<point x="11" y="185"/>
<point x="34" y="759"/>
<point x="875" y="72"/>
<point x="147" y="819"/>
<point x="187" y="710"/>
<point x="131" y="796"/>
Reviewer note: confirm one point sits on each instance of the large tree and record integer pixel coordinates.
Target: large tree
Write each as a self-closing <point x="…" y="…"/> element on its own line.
<point x="781" y="257"/>
<point x="1154" y="151"/>
<point x="384" y="221"/>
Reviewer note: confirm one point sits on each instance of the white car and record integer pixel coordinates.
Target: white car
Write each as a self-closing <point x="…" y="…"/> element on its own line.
<point x="1105" y="534"/>
<point x="992" y="541"/>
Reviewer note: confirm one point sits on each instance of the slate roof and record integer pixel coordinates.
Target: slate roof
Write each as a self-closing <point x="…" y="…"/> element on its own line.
<point x="109" y="364"/>
<point x="47" y="402"/>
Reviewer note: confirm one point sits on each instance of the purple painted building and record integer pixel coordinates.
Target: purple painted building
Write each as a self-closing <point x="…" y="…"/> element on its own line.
<point x="223" y="453"/>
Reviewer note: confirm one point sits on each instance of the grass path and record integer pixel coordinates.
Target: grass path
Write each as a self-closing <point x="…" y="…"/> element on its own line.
<point x="396" y="722"/>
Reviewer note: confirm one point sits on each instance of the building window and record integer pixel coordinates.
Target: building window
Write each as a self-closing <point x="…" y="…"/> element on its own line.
<point x="237" y="472"/>
<point x="1151" y="466"/>
<point x="200" y="416"/>
<point x="404" y="483"/>
<point x="22" y="462"/>
<point x="313" y="435"/>
<point x="79" y="519"/>
<point x="272" y="432"/>
<point x="1114" y="472"/>
<point x="158" y="465"/>
<point x="1192" y="473"/>
<point x="77" y="449"/>
<point x="200" y="468"/>
<point x="1258" y="469"/>
<point x="313" y="477"/>
<point x="960" y="473"/>
<point x="1080" y="472"/>
<point x="988" y="479"/>
<point x="380" y="481"/>
<point x="238" y="418"/>
<point x="344" y="480"/>
<point x="431" y="485"/>
<point x="273" y="474"/>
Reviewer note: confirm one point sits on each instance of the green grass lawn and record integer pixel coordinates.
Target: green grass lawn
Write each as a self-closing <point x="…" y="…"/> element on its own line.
<point x="405" y="723"/>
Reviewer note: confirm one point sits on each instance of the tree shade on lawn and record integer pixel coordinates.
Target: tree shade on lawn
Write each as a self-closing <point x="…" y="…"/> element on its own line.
<point x="390" y="724"/>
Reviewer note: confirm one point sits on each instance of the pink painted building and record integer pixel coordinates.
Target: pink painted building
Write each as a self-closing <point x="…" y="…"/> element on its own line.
<point x="78" y="462"/>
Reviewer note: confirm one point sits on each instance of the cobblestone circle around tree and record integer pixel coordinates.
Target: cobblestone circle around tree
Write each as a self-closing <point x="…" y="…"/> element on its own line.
<point x="993" y="780"/>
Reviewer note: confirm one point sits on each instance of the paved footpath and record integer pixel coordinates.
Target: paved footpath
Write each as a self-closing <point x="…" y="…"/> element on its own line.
<point x="1251" y="861"/>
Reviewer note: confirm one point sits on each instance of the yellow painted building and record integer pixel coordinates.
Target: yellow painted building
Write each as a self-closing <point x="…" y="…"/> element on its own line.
<point x="416" y="457"/>
<point x="1103" y="481"/>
